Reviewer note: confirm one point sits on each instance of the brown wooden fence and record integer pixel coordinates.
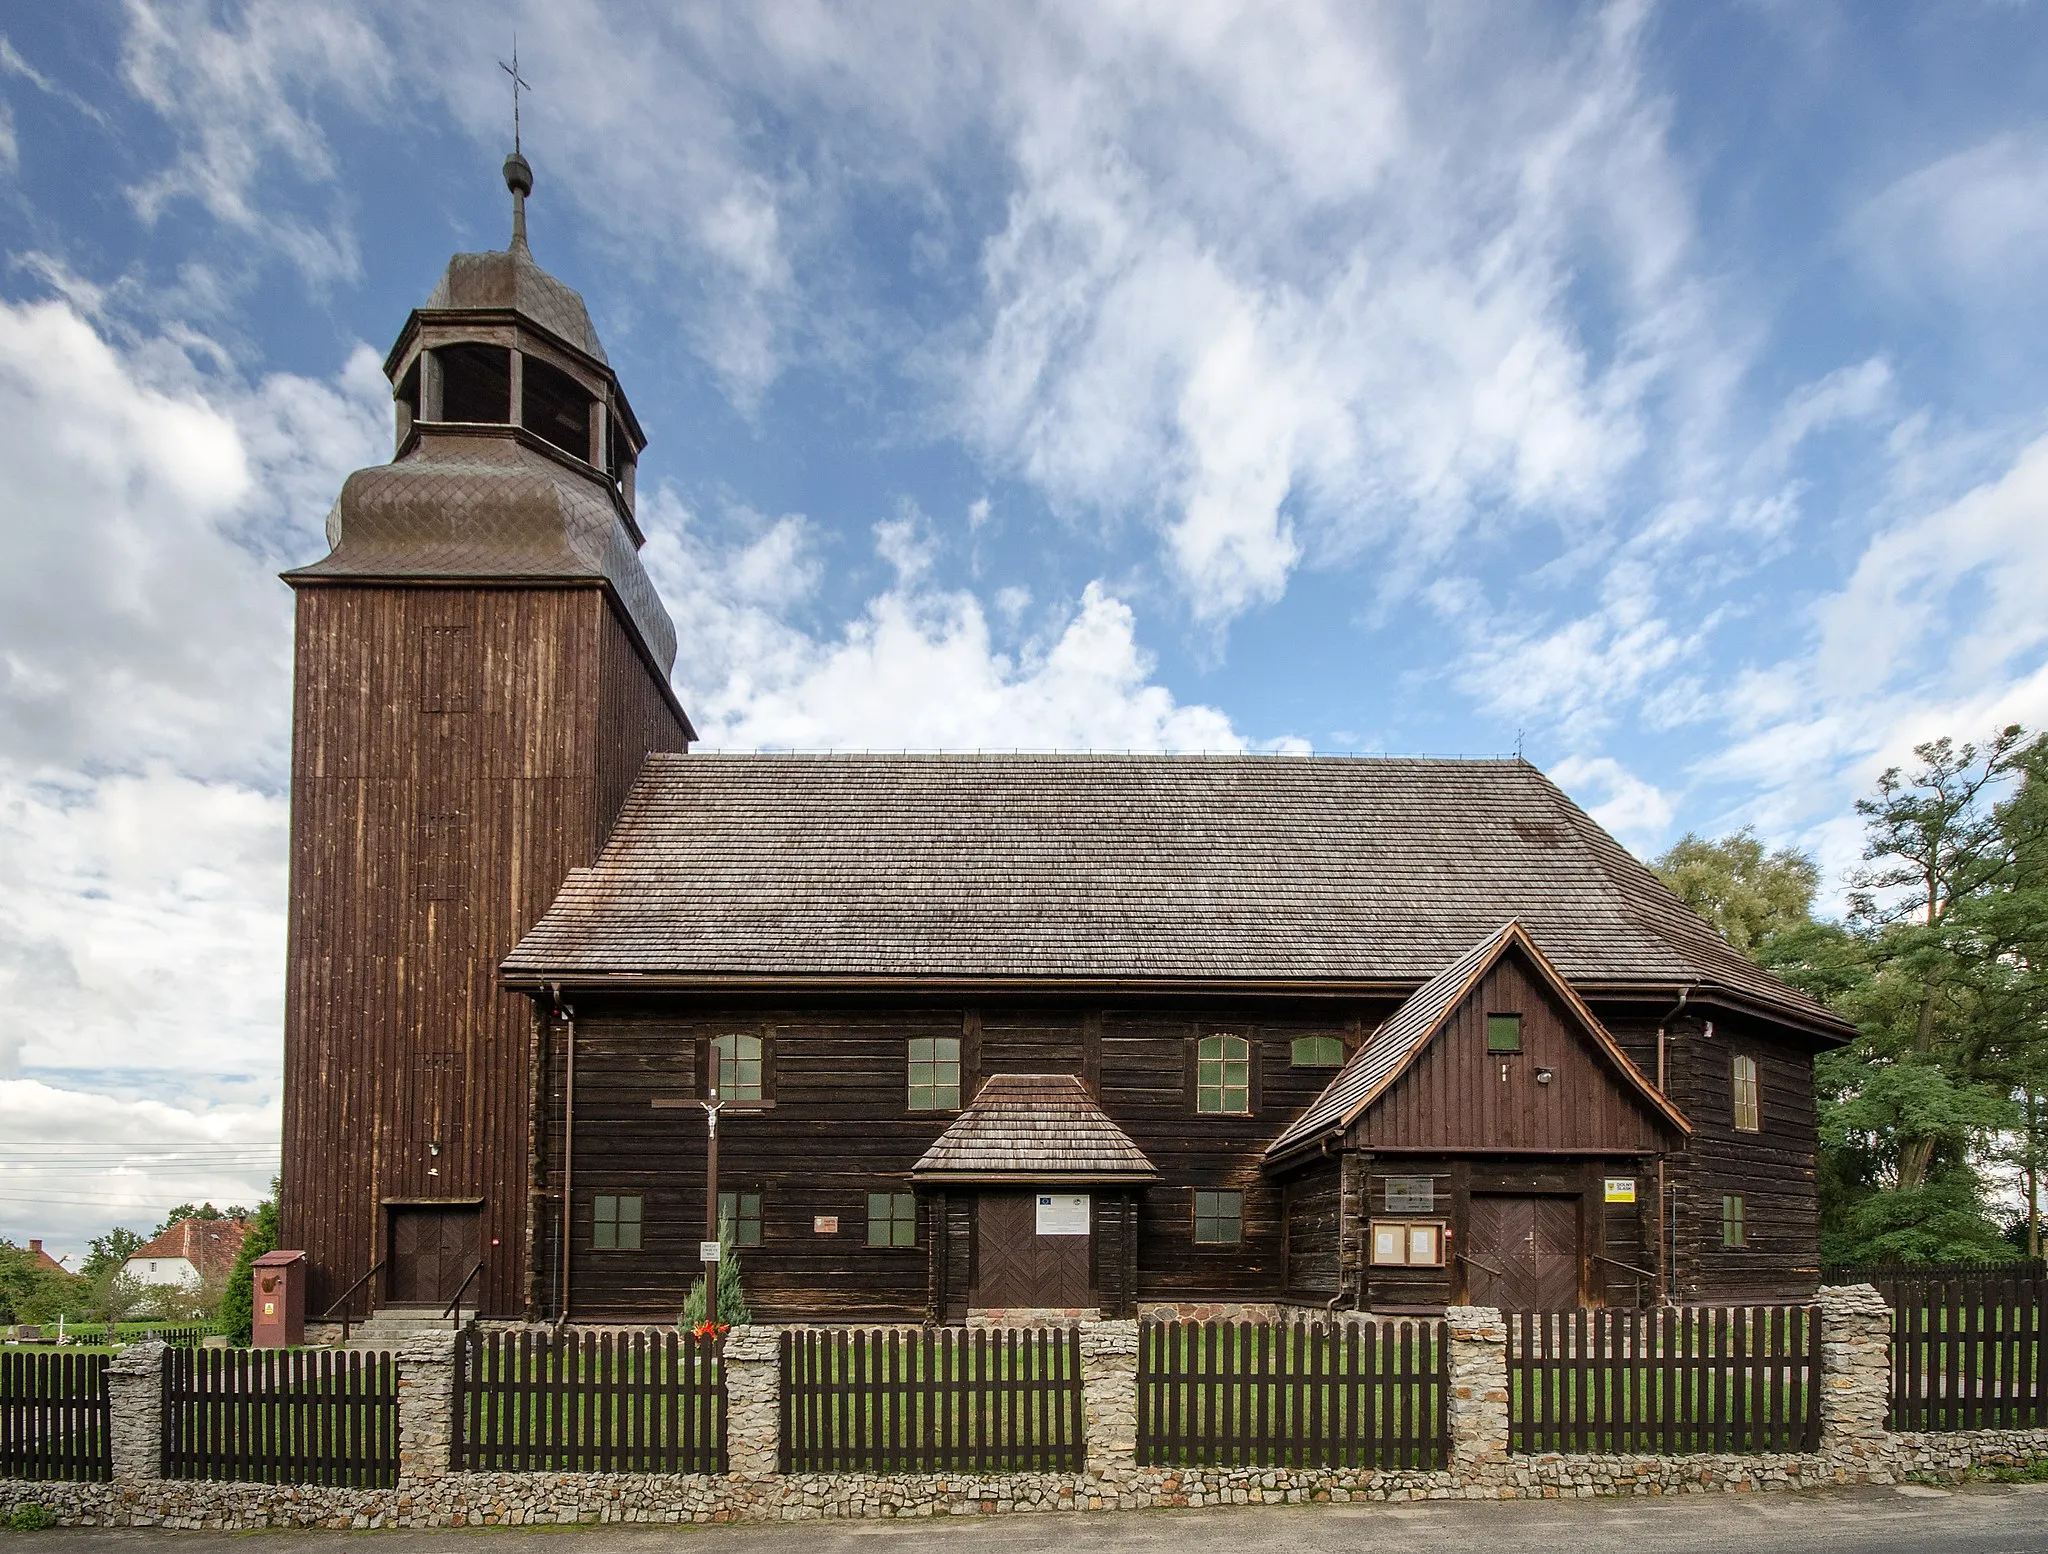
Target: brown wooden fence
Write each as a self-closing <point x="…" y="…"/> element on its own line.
<point x="931" y="1400"/>
<point x="1968" y="1348"/>
<point x="618" y="1402"/>
<point x="281" y="1416"/>
<point x="53" y="1415"/>
<point x="1691" y="1379"/>
<point x="1244" y="1394"/>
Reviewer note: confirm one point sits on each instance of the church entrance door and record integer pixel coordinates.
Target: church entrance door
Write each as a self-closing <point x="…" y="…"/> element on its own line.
<point x="1033" y="1250"/>
<point x="432" y="1249"/>
<point x="1522" y="1254"/>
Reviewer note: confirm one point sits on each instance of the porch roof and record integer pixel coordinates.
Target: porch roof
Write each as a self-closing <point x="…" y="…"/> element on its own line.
<point x="1033" y="1128"/>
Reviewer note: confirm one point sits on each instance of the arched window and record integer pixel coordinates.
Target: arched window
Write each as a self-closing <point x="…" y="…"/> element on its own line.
<point x="1223" y="1075"/>
<point x="738" y="1067"/>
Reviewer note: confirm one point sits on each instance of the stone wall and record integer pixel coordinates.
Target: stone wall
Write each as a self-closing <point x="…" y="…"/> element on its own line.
<point x="1855" y="1448"/>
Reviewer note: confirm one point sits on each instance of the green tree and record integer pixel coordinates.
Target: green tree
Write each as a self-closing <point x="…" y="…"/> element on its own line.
<point x="30" y="1292"/>
<point x="732" y="1299"/>
<point x="105" y="1254"/>
<point x="1747" y="894"/>
<point x="237" y="1310"/>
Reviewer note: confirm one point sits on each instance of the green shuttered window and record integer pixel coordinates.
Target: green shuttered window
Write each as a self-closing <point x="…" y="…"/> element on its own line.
<point x="892" y="1219"/>
<point x="1223" y="1076"/>
<point x="615" y="1222"/>
<point x="934" y="1068"/>
<point x="1503" y="1033"/>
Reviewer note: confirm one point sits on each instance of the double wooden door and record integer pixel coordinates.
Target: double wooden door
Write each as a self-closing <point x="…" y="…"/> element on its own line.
<point x="433" y="1247"/>
<point x="1017" y="1267"/>
<point x="1522" y="1253"/>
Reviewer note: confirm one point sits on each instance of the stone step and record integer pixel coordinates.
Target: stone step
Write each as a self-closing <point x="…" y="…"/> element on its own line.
<point x="395" y="1329"/>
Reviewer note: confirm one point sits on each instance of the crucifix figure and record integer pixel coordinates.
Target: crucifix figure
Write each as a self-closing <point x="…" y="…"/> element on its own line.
<point x="518" y="175"/>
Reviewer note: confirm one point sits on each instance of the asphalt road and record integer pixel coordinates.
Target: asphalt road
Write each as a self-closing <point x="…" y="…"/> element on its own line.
<point x="1989" y="1519"/>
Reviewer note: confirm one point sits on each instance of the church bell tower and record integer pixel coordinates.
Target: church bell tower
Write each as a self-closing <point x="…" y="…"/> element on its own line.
<point x="481" y="667"/>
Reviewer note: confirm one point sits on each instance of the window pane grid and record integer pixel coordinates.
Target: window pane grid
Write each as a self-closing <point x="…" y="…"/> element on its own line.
<point x="1746" y="1119"/>
<point x="1219" y="1218"/>
<point x="1223" y="1075"/>
<point x="933" y="1064"/>
<point x="739" y="1217"/>
<point x="1733" y="1231"/>
<point x="615" y="1222"/>
<point x="892" y="1219"/>
<point x="1318" y="1052"/>
<point x="738" y="1059"/>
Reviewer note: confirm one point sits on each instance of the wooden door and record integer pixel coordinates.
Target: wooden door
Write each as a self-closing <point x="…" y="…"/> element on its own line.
<point x="1017" y="1267"/>
<point x="1522" y="1254"/>
<point x="433" y="1247"/>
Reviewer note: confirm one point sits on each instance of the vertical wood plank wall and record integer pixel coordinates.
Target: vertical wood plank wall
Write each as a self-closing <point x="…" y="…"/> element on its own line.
<point x="455" y="752"/>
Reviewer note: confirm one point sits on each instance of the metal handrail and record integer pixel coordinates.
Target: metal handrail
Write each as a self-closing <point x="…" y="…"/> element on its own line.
<point x="368" y="1274"/>
<point x="1647" y="1273"/>
<point x="451" y="1308"/>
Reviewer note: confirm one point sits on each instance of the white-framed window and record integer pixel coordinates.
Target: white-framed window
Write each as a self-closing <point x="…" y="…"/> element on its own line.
<point x="1223" y="1075"/>
<point x="738" y="1066"/>
<point x="933" y="1065"/>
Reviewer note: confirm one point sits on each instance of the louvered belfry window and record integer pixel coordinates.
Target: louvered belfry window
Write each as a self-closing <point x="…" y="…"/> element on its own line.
<point x="1746" y="1117"/>
<point x="1223" y="1076"/>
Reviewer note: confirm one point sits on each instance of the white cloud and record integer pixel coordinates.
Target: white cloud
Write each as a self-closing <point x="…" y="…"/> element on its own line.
<point x="64" y="1182"/>
<point x="1637" y="812"/>
<point x="237" y="99"/>
<point x="1973" y="219"/>
<point x="1286" y="285"/>
<point x="144" y="704"/>
<point x="918" y="668"/>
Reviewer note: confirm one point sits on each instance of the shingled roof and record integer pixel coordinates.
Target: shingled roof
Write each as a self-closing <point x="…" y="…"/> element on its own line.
<point x="737" y="869"/>
<point x="1375" y="1066"/>
<point x="1041" y="1128"/>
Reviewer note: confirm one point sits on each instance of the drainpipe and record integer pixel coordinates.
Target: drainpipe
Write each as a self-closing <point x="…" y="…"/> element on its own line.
<point x="566" y="1241"/>
<point x="1666" y="1207"/>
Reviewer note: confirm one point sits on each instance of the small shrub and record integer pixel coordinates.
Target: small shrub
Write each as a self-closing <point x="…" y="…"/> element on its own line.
<point x="2035" y="1472"/>
<point x="30" y="1517"/>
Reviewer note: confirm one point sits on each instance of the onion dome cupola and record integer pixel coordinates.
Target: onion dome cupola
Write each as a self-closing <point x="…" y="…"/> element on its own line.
<point x="516" y="446"/>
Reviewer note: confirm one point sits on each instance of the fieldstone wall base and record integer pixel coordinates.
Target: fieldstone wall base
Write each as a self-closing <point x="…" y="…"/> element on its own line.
<point x="1855" y="1449"/>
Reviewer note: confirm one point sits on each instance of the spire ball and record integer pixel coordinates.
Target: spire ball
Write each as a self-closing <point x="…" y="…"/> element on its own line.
<point x="518" y="175"/>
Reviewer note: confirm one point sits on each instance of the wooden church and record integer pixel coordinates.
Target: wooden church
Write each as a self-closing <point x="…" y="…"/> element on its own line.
<point x="993" y="1035"/>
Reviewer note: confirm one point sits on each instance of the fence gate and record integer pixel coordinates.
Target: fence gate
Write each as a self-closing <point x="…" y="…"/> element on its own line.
<point x="589" y="1403"/>
<point x="932" y="1400"/>
<point x="1694" y="1379"/>
<point x="281" y="1416"/>
<point x="1268" y="1394"/>
<point x="53" y="1415"/>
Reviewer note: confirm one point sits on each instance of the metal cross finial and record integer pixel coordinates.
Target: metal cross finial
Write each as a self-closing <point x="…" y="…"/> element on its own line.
<point x="518" y="81"/>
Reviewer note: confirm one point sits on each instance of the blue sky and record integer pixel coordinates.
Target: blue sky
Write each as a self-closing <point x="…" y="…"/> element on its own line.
<point x="1659" y="388"/>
